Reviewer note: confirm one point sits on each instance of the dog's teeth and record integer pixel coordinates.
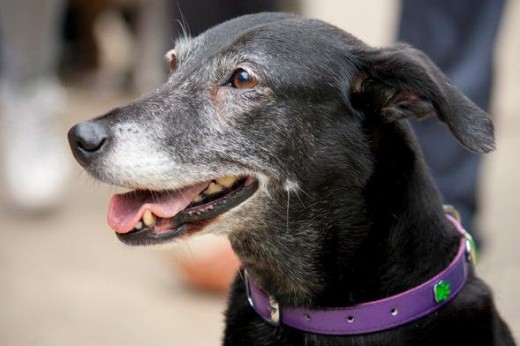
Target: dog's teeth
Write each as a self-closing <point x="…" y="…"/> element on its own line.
<point x="198" y="199"/>
<point x="227" y="181"/>
<point x="149" y="219"/>
<point x="138" y="225"/>
<point x="213" y="189"/>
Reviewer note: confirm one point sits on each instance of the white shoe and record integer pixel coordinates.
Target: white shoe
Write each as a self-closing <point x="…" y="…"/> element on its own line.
<point x="36" y="165"/>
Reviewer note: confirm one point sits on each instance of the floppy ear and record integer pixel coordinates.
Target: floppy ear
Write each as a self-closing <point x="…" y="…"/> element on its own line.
<point x="401" y="81"/>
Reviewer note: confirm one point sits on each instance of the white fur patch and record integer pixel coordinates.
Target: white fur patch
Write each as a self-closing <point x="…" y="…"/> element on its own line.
<point x="169" y="55"/>
<point x="135" y="157"/>
<point x="137" y="160"/>
<point x="291" y="186"/>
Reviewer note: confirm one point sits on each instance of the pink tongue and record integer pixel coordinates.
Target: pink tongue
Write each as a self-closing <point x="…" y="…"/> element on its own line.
<point x="125" y="210"/>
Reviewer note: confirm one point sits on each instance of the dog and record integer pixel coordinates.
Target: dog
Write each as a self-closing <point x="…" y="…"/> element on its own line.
<point x="289" y="136"/>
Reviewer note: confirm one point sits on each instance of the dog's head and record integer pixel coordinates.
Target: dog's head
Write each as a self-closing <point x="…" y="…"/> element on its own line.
<point x="256" y="109"/>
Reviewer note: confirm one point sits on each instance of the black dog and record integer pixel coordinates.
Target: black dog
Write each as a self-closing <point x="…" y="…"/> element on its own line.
<point x="287" y="135"/>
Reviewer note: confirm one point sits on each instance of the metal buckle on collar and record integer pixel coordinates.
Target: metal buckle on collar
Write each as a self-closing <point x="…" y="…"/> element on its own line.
<point x="471" y="248"/>
<point x="274" y="307"/>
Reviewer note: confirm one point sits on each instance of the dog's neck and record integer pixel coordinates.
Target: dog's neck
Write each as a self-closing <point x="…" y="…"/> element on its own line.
<point x="357" y="246"/>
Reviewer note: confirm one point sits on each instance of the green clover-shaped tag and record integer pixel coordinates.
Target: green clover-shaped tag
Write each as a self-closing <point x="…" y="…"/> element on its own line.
<point x="442" y="291"/>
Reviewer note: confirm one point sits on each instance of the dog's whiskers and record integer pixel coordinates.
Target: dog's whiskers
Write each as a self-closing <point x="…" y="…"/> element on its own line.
<point x="242" y="275"/>
<point x="89" y="179"/>
<point x="298" y="196"/>
<point x="183" y="23"/>
<point x="154" y="195"/>
<point x="182" y="194"/>
<point x="288" y="203"/>
<point x="189" y="250"/>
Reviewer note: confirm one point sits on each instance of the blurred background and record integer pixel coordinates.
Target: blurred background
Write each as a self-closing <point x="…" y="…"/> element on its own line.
<point x="64" y="277"/>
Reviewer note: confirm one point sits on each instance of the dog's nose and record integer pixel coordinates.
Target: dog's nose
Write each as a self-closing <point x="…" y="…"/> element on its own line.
<point x="87" y="140"/>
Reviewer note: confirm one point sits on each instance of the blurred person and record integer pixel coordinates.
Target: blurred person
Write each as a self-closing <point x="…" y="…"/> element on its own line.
<point x="459" y="36"/>
<point x="35" y="160"/>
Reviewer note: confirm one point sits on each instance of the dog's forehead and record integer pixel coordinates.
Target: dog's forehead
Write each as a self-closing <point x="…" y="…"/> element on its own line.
<point x="225" y="33"/>
<point x="265" y="32"/>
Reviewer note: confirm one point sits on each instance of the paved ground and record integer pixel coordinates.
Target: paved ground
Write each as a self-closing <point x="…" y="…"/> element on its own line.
<point x="66" y="280"/>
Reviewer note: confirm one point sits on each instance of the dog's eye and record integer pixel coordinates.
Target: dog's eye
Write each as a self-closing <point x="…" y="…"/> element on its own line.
<point x="241" y="79"/>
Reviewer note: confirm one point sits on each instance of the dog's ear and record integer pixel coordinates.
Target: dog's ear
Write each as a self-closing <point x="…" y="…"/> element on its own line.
<point x="400" y="81"/>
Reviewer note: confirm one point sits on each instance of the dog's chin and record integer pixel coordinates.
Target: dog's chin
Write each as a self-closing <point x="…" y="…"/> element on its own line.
<point x="199" y="212"/>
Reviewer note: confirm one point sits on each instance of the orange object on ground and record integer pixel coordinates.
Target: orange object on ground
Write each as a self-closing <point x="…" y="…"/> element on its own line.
<point x="212" y="267"/>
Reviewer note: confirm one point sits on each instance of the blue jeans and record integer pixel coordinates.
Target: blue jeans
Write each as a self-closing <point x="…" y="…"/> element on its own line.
<point x="460" y="37"/>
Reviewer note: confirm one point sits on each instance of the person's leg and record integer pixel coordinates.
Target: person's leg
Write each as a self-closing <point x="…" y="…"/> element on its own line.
<point x="459" y="36"/>
<point x="29" y="33"/>
<point x="35" y="162"/>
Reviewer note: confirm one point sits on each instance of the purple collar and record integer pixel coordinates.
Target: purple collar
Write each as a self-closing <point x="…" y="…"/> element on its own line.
<point x="377" y="315"/>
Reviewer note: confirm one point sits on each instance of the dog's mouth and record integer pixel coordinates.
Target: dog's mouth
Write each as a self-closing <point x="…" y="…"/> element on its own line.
<point x="149" y="217"/>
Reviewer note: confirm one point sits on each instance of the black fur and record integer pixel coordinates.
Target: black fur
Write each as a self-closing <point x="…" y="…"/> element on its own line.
<point x="348" y="212"/>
